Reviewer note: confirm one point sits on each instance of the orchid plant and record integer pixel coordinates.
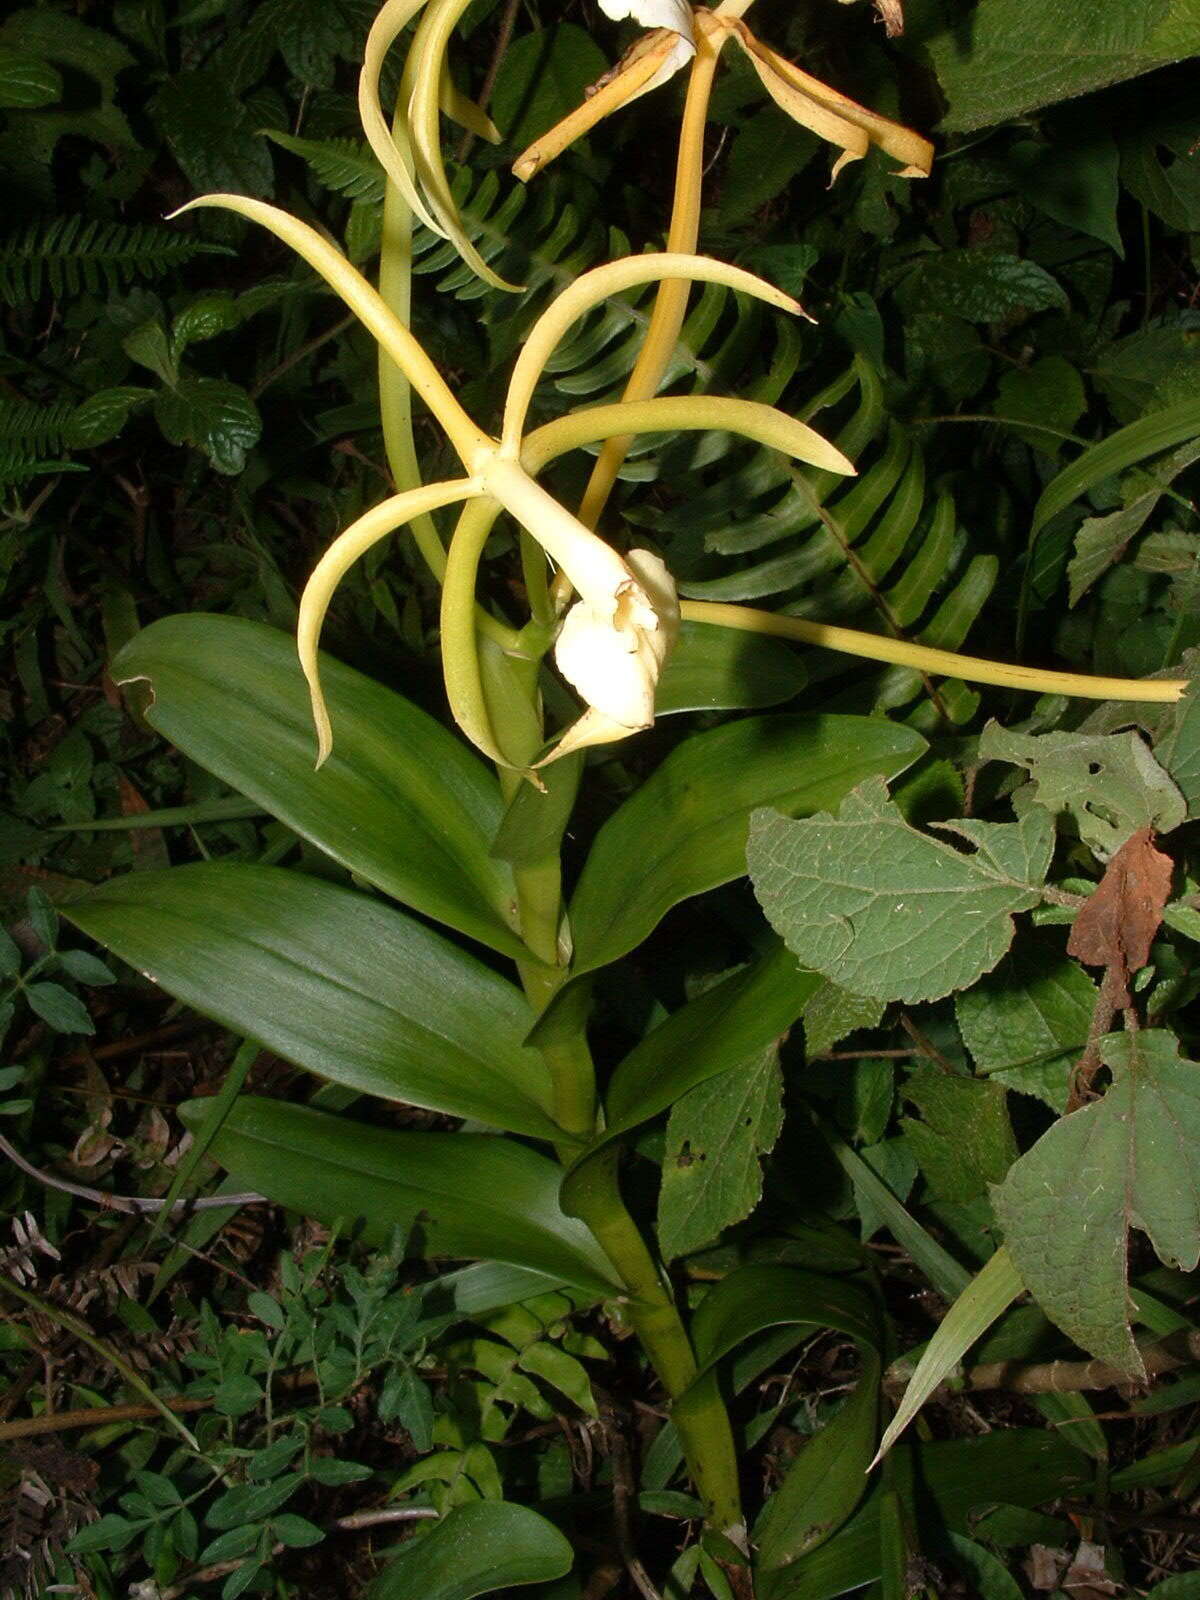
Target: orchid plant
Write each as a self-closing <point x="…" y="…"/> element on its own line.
<point x="611" y="618"/>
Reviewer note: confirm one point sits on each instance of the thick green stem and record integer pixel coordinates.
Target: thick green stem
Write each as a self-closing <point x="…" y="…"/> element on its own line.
<point x="697" y="1409"/>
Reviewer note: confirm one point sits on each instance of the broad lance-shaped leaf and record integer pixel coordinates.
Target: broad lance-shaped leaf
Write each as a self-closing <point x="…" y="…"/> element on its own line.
<point x="401" y="802"/>
<point x="684" y="831"/>
<point x="337" y="982"/>
<point x="474" y="1550"/>
<point x="829" y="1476"/>
<point x="1131" y="1159"/>
<point x="471" y="1195"/>
<point x="885" y="910"/>
<point x="946" y="1484"/>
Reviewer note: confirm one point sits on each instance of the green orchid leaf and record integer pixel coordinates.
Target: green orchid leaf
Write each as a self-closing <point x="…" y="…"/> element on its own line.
<point x="724" y="669"/>
<point x="339" y="983"/>
<point x="475" y="1549"/>
<point x="829" y="1477"/>
<point x="1014" y="1466"/>
<point x="685" y="829"/>
<point x="469" y="1195"/>
<point x="401" y="802"/>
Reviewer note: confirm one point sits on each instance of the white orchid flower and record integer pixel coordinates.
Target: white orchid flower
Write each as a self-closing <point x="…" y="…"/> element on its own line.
<point x="614" y="659"/>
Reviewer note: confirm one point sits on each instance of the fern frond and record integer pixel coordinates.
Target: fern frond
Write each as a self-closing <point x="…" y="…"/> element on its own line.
<point x="825" y="547"/>
<point x="346" y="166"/>
<point x="33" y="428"/>
<point x="73" y="254"/>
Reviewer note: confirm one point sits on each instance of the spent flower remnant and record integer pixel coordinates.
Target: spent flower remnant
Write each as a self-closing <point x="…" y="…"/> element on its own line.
<point x="682" y="35"/>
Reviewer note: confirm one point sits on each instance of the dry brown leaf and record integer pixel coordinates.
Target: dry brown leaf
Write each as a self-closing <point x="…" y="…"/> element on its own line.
<point x="1116" y="927"/>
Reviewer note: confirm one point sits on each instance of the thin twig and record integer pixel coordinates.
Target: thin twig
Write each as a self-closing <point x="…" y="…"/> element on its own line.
<point x="299" y="355"/>
<point x="925" y="1046"/>
<point x="221" y="1569"/>
<point x="131" y="1204"/>
<point x="874" y="593"/>
<point x="1089" y="1062"/>
<point x="77" y="1326"/>
<point x="624" y="1500"/>
<point x="508" y="21"/>
<point x="94" y="1417"/>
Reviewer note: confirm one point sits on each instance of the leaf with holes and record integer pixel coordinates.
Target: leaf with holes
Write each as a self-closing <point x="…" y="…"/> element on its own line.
<point x="1110" y="785"/>
<point x="1129" y="1160"/>
<point x="717" y="1135"/>
<point x="885" y="910"/>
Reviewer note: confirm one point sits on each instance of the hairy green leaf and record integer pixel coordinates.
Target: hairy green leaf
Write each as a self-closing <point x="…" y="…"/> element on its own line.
<point x="1131" y="1159"/>
<point x="1011" y="59"/>
<point x="212" y="135"/>
<point x="887" y="911"/>
<point x="981" y="285"/>
<point x="964" y="1141"/>
<point x="1109" y="784"/>
<point x="717" y="1135"/>
<point x="217" y="417"/>
<point x="1025" y="1022"/>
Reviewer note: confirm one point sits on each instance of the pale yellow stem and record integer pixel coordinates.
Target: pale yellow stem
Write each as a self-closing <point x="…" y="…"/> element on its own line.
<point x="599" y="284"/>
<point x="395" y="395"/>
<point x="690" y="413"/>
<point x="670" y="303"/>
<point x="898" y="652"/>
<point x="369" y="308"/>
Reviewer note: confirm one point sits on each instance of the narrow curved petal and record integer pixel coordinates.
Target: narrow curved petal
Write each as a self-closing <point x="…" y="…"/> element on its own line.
<point x="358" y="295"/>
<point x="345" y="550"/>
<point x="460" y="642"/>
<point x="689" y="413"/>
<point x="395" y="158"/>
<point x="429" y="55"/>
<point x="833" y="116"/>
<point x="462" y="109"/>
<point x="595" y="286"/>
